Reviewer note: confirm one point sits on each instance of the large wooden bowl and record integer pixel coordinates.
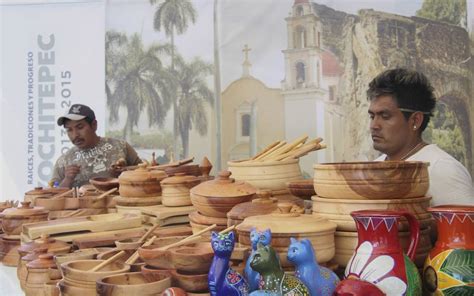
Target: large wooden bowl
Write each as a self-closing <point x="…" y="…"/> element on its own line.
<point x="272" y="175"/>
<point x="133" y="283"/>
<point x="190" y="282"/>
<point x="339" y="210"/>
<point x="303" y="189"/>
<point x="104" y="183"/>
<point x="371" y="180"/>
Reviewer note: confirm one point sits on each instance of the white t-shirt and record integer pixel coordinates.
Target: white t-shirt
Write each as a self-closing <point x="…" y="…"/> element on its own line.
<point x="450" y="182"/>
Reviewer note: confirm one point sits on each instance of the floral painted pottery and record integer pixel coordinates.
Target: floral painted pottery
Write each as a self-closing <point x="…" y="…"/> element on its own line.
<point x="14" y="218"/>
<point x="355" y="287"/>
<point x="339" y="210"/>
<point x="262" y="205"/>
<point x="272" y="175"/>
<point x="371" y="180"/>
<point x="133" y="283"/>
<point x="217" y="197"/>
<point x="141" y="182"/>
<point x="287" y="224"/>
<point x="347" y="242"/>
<point x="379" y="258"/>
<point x="449" y="268"/>
<point x="40" y="271"/>
<point x="222" y="279"/>
<point x="175" y="190"/>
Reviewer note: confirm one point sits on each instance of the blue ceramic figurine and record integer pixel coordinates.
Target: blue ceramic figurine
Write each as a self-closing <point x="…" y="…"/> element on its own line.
<point x="223" y="280"/>
<point x="320" y="281"/>
<point x="263" y="237"/>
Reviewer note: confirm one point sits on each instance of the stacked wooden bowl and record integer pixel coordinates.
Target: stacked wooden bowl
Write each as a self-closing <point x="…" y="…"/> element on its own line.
<point x="390" y="185"/>
<point x="215" y="198"/>
<point x="140" y="187"/>
<point x="175" y="190"/>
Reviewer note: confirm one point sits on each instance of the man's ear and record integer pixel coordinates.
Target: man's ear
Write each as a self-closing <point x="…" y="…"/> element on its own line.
<point x="417" y="118"/>
<point x="94" y="125"/>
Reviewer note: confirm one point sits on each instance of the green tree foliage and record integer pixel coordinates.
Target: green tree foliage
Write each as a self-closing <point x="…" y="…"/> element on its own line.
<point x="450" y="11"/>
<point x="139" y="81"/>
<point x="193" y="94"/>
<point x="444" y="130"/>
<point x="174" y="16"/>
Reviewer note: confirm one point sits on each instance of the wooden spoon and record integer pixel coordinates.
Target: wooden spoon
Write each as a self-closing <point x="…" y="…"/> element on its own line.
<point x="135" y="255"/>
<point x="62" y="194"/>
<point x="107" y="262"/>
<point x="107" y="193"/>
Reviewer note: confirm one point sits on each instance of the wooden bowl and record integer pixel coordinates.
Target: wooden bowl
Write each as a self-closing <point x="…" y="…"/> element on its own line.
<point x="193" y="259"/>
<point x="217" y="206"/>
<point x="339" y="210"/>
<point x="190" y="169"/>
<point x="104" y="184"/>
<point x="133" y="283"/>
<point x="302" y="188"/>
<point x="128" y="244"/>
<point x="190" y="282"/>
<point x="272" y="175"/>
<point x="371" y="180"/>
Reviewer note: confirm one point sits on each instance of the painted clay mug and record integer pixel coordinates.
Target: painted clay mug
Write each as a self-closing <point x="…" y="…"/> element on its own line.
<point x="449" y="268"/>
<point x="379" y="258"/>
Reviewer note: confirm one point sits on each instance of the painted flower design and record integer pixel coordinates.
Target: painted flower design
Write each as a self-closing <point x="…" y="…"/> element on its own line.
<point x="375" y="270"/>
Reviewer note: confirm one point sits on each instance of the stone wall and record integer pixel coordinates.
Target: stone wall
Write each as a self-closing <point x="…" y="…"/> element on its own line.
<point x="373" y="41"/>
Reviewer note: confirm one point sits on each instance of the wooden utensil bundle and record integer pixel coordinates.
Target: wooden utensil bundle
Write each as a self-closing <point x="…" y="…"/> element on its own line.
<point x="281" y="150"/>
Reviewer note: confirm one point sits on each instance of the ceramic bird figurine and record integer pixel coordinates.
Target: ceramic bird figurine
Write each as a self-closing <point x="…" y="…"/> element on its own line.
<point x="320" y="280"/>
<point x="274" y="281"/>
<point x="222" y="279"/>
<point x="263" y="237"/>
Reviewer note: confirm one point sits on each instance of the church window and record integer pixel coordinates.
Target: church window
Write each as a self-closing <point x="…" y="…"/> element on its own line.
<point x="300" y="37"/>
<point x="319" y="39"/>
<point x="318" y="74"/>
<point x="332" y="93"/>
<point x="299" y="11"/>
<point x="245" y="125"/>
<point x="300" y="72"/>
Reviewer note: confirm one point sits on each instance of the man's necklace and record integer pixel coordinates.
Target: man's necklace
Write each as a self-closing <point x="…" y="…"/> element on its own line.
<point x="412" y="150"/>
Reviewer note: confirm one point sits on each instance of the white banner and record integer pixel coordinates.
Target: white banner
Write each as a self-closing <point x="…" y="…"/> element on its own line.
<point x="52" y="56"/>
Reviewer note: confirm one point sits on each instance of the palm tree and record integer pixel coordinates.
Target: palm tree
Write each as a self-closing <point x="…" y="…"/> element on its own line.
<point x="140" y="81"/>
<point x="114" y="42"/>
<point x="194" y="94"/>
<point x="174" y="17"/>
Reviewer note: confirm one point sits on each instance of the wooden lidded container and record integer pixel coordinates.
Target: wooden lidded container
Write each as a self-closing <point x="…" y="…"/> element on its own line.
<point x="175" y="190"/>
<point x="216" y="197"/>
<point x="262" y="205"/>
<point x="141" y="182"/>
<point x="14" y="218"/>
<point x="287" y="224"/>
<point x="41" y="272"/>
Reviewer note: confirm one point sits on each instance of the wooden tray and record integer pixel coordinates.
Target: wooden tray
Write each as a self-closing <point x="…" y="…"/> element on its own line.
<point x="160" y="214"/>
<point x="167" y="221"/>
<point x="94" y="223"/>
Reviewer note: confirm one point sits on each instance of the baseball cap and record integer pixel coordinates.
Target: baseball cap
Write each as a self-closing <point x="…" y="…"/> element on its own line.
<point x="77" y="112"/>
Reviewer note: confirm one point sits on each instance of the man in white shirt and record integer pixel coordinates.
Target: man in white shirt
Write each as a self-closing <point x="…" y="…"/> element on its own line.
<point x="401" y="103"/>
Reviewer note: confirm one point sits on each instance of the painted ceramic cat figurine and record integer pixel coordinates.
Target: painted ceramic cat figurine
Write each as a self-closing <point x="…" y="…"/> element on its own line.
<point x="273" y="278"/>
<point x="320" y="280"/>
<point x="223" y="280"/>
<point x="263" y="237"/>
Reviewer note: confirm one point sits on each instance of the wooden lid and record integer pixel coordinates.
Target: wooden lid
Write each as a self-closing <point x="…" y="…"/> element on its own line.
<point x="24" y="210"/>
<point x="44" y="261"/>
<point x="44" y="241"/>
<point x="199" y="218"/>
<point x="141" y="174"/>
<point x="224" y="186"/>
<point x="205" y="166"/>
<point x="33" y="255"/>
<point x="262" y="205"/>
<point x="287" y="222"/>
<point x="46" y="191"/>
<point x="180" y="178"/>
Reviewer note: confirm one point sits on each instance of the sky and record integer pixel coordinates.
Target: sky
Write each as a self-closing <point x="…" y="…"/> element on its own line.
<point x="258" y="23"/>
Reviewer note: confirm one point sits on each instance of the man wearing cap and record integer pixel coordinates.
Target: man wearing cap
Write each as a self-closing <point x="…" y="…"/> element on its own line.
<point x="401" y="103"/>
<point x="91" y="156"/>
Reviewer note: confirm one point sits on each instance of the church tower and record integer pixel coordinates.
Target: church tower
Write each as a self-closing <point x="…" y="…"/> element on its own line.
<point x="302" y="88"/>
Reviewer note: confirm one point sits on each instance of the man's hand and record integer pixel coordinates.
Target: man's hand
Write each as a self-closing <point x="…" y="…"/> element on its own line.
<point x="69" y="175"/>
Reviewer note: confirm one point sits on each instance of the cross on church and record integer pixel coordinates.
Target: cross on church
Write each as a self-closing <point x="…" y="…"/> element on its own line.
<point x="246" y="51"/>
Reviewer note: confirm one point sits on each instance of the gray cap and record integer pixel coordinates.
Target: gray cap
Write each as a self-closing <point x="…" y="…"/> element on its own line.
<point x="77" y="112"/>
